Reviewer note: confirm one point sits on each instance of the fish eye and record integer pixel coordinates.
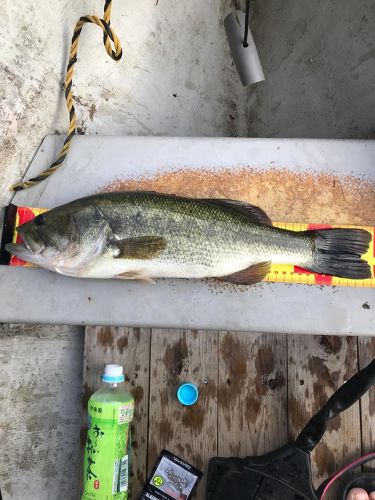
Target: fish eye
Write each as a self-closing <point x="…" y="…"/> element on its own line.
<point x="40" y="219"/>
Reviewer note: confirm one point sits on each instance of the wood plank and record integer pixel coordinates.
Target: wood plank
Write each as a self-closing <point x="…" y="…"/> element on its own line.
<point x="41" y="414"/>
<point x="190" y="432"/>
<point x="252" y="412"/>
<point x="129" y="347"/>
<point x="318" y="366"/>
<point x="366" y="348"/>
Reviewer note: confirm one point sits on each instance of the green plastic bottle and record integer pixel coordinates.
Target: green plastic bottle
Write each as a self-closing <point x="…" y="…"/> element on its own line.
<point x="106" y="464"/>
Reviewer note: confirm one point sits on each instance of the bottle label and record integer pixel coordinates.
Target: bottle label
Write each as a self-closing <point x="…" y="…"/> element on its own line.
<point x="126" y="413"/>
<point x="106" y="465"/>
<point x="120" y="475"/>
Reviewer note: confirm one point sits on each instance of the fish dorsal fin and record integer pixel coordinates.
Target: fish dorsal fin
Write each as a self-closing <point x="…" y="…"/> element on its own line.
<point x="143" y="247"/>
<point x="253" y="212"/>
<point x="250" y="275"/>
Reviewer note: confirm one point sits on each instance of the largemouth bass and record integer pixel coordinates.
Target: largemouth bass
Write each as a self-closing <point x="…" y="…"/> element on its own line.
<point x="146" y="235"/>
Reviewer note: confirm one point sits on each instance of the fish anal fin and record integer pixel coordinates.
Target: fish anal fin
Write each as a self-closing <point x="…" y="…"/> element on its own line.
<point x="144" y="247"/>
<point x="253" y="212"/>
<point x="250" y="275"/>
<point x="135" y="275"/>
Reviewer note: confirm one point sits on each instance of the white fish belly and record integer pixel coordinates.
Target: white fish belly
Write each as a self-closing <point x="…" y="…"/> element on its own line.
<point x="161" y="268"/>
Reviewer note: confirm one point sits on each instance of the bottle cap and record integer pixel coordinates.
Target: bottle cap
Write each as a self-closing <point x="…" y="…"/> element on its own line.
<point x="113" y="374"/>
<point x="187" y="394"/>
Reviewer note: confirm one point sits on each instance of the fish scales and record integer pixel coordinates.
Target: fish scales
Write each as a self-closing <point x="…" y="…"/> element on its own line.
<point x="200" y="233"/>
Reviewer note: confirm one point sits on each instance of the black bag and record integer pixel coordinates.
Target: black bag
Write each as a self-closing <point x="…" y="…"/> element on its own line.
<point x="285" y="474"/>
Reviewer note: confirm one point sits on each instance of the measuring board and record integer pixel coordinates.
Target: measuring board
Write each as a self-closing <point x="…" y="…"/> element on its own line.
<point x="279" y="273"/>
<point x="291" y="179"/>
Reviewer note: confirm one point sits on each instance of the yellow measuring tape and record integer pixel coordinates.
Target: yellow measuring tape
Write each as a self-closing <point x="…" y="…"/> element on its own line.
<point x="278" y="273"/>
<point x="285" y="273"/>
<point x="110" y="40"/>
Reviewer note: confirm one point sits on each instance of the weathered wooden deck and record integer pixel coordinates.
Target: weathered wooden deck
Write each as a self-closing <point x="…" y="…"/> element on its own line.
<point x="256" y="392"/>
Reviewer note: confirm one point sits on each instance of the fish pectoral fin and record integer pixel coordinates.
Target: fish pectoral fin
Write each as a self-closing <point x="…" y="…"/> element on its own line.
<point x="253" y="212"/>
<point x="135" y="275"/>
<point x="144" y="247"/>
<point x="250" y="275"/>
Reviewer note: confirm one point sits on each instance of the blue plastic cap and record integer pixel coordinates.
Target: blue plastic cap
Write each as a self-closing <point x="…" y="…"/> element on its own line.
<point x="187" y="394"/>
<point x="113" y="380"/>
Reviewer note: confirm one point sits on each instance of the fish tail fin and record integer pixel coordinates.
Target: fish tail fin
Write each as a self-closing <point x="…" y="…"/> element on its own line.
<point x="338" y="252"/>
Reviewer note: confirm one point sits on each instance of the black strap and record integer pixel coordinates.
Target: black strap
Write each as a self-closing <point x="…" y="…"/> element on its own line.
<point x="247" y="20"/>
<point x="342" y="399"/>
<point x="7" y="235"/>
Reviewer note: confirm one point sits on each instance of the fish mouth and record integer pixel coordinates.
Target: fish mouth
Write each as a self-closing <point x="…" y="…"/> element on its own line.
<point x="29" y="249"/>
<point x="28" y="242"/>
<point x="19" y="250"/>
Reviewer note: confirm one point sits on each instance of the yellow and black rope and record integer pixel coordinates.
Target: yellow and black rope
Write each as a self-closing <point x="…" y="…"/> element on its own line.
<point x="114" y="50"/>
